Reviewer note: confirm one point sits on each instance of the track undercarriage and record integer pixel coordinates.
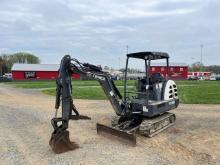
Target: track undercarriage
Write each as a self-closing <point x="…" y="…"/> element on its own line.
<point x="126" y="128"/>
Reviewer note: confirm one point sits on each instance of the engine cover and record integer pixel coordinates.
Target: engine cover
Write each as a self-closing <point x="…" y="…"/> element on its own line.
<point x="170" y="90"/>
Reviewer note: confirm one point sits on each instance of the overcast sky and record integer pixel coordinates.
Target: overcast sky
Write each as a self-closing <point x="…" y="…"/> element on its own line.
<point x="98" y="31"/>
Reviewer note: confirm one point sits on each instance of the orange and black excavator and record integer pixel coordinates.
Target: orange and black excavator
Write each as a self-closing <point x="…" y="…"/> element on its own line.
<point x="141" y="112"/>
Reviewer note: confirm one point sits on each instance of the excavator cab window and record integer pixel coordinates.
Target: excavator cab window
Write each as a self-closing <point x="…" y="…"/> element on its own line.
<point x="145" y="85"/>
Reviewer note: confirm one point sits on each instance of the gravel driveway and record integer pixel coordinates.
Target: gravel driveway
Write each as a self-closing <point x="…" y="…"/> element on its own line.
<point x="25" y="131"/>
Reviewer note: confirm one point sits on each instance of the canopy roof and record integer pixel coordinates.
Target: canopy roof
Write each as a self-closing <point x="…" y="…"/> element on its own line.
<point x="149" y="55"/>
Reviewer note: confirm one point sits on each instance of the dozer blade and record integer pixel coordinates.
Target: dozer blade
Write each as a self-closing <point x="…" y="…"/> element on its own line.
<point x="60" y="142"/>
<point x="122" y="136"/>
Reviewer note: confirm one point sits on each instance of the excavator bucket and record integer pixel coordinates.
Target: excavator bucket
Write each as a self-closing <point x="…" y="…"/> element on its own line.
<point x="122" y="136"/>
<point x="60" y="142"/>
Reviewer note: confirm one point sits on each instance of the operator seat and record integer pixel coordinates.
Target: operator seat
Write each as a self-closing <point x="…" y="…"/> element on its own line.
<point x="141" y="87"/>
<point x="156" y="82"/>
<point x="156" y="78"/>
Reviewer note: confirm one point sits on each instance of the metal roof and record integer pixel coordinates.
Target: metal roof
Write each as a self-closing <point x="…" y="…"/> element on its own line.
<point x="35" y="67"/>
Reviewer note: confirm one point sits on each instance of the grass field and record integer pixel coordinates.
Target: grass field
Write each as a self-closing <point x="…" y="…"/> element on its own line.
<point x="190" y="92"/>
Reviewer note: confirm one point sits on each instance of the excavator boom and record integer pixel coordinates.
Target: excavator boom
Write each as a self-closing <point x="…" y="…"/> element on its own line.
<point x="60" y="141"/>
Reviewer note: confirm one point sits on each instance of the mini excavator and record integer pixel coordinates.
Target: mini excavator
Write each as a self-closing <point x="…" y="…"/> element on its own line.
<point x="143" y="112"/>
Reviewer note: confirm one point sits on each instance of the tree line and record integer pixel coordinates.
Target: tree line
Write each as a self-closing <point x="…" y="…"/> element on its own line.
<point x="200" y="67"/>
<point x="7" y="60"/>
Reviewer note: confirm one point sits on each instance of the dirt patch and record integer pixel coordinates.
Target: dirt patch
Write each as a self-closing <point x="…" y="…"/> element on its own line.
<point x="25" y="131"/>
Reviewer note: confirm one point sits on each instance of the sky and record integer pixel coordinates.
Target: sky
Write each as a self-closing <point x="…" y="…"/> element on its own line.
<point x="99" y="31"/>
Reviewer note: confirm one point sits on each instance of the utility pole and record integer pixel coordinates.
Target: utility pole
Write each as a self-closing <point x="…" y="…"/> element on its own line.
<point x="119" y="63"/>
<point x="201" y="47"/>
<point x="0" y="68"/>
<point x="192" y="63"/>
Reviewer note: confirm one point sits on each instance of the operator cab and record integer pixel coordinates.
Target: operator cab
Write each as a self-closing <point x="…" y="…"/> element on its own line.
<point x="154" y="93"/>
<point x="155" y="79"/>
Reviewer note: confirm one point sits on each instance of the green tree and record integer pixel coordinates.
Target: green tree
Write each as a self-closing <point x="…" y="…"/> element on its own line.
<point x="4" y="64"/>
<point x="214" y="69"/>
<point x="7" y="60"/>
<point x="22" y="57"/>
<point x="106" y="68"/>
<point x="1" y="63"/>
<point x="197" y="67"/>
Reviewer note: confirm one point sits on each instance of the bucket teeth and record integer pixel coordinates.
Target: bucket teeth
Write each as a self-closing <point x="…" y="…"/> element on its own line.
<point x="122" y="136"/>
<point x="60" y="142"/>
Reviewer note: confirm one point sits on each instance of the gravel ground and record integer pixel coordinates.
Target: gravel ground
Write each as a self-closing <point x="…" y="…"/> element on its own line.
<point x="25" y="131"/>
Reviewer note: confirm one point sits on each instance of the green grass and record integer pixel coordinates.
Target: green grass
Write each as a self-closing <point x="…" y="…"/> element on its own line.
<point x="51" y="84"/>
<point x="82" y="93"/>
<point x="190" y="92"/>
<point x="199" y="92"/>
<point x="86" y="92"/>
<point x="33" y="84"/>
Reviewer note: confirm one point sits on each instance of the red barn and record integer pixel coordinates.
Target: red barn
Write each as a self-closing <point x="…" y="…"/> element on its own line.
<point x="176" y="70"/>
<point x="36" y="72"/>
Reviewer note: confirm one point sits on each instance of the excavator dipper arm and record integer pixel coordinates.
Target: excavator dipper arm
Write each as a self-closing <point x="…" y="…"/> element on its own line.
<point x="59" y="141"/>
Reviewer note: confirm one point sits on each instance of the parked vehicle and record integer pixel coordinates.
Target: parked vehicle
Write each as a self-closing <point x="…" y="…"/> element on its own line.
<point x="201" y="78"/>
<point x="212" y="78"/>
<point x="5" y="78"/>
<point x="193" y="78"/>
<point x="8" y="76"/>
<point x="218" y="78"/>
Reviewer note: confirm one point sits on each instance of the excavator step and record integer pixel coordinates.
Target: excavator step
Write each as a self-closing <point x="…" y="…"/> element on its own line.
<point x="122" y="136"/>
